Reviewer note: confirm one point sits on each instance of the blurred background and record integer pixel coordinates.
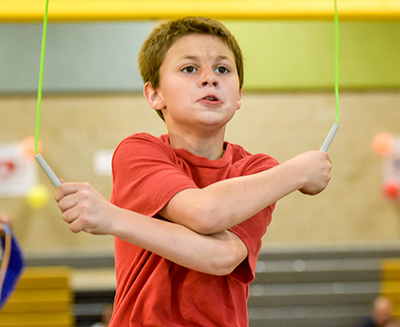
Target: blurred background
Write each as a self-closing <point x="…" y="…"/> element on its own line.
<point x="92" y="99"/>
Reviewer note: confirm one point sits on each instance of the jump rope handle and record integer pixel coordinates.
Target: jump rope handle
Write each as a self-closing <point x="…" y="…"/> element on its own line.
<point x="330" y="137"/>
<point x="46" y="168"/>
<point x="56" y="182"/>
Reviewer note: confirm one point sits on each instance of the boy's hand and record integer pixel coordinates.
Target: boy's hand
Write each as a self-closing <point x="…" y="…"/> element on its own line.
<point x="314" y="167"/>
<point x="4" y="219"/>
<point x="84" y="209"/>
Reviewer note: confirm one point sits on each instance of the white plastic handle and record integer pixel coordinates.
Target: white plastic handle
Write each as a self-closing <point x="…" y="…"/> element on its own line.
<point x="330" y="137"/>
<point x="46" y="168"/>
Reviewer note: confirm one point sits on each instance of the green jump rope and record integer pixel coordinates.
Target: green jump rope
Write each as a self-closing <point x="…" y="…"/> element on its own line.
<point x="46" y="168"/>
<point x="54" y="179"/>
<point x="335" y="126"/>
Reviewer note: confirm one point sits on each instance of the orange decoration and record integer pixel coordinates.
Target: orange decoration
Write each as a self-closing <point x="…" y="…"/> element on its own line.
<point x="383" y="143"/>
<point x="28" y="149"/>
<point x="391" y="190"/>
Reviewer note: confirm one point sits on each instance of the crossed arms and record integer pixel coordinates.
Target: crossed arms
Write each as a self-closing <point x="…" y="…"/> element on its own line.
<point x="197" y="234"/>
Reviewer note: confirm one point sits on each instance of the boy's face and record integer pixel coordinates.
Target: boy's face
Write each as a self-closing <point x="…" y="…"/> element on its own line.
<point x="199" y="84"/>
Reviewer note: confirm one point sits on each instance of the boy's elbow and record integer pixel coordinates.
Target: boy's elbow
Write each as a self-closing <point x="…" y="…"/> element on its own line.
<point x="228" y="260"/>
<point x="209" y="219"/>
<point x="196" y="210"/>
<point x="223" y="270"/>
<point x="205" y="227"/>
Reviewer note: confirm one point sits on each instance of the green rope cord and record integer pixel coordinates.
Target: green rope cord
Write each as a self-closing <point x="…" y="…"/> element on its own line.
<point x="39" y="98"/>
<point x="337" y="62"/>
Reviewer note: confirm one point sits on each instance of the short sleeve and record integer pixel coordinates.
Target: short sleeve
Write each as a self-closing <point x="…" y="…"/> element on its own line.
<point x="145" y="175"/>
<point x="253" y="229"/>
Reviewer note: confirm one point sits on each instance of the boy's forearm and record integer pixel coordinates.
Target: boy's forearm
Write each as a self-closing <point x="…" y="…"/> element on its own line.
<point x="244" y="197"/>
<point x="227" y="203"/>
<point x="85" y="209"/>
<point x="215" y="254"/>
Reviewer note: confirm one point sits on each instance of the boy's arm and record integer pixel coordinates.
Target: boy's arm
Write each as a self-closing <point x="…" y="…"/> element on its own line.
<point x="227" y="203"/>
<point x="84" y="209"/>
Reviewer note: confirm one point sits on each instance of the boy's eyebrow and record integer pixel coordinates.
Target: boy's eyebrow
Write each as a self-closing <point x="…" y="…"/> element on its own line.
<point x="192" y="57"/>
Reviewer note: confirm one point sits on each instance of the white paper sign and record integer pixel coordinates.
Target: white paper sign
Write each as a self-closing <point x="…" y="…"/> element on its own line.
<point x="102" y="162"/>
<point x="17" y="174"/>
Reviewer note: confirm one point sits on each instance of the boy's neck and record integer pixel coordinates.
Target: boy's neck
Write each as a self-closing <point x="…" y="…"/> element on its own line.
<point x="211" y="147"/>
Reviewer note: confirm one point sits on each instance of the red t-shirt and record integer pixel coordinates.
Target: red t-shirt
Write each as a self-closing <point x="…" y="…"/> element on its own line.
<point x="153" y="291"/>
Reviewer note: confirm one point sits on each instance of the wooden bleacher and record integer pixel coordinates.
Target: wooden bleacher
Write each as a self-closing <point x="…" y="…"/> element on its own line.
<point x="293" y="288"/>
<point x="327" y="287"/>
<point x="92" y="282"/>
<point x="42" y="298"/>
<point x="390" y="284"/>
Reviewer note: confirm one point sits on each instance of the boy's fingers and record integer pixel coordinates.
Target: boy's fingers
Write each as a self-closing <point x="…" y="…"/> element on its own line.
<point x="76" y="226"/>
<point x="67" y="202"/>
<point x="70" y="215"/>
<point x="65" y="189"/>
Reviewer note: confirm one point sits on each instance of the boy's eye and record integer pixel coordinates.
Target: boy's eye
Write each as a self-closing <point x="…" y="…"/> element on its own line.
<point x="222" y="70"/>
<point x="189" y="69"/>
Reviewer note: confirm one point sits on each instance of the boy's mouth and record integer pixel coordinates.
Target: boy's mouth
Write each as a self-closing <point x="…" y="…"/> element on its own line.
<point x="211" y="98"/>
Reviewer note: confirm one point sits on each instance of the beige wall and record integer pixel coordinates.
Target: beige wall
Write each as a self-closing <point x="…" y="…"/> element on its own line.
<point x="351" y="210"/>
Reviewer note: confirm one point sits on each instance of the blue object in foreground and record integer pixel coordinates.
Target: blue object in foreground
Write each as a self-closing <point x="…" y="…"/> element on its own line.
<point x="14" y="269"/>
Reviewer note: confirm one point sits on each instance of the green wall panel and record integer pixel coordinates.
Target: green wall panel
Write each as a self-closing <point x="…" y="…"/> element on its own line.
<point x="300" y="54"/>
<point x="279" y="55"/>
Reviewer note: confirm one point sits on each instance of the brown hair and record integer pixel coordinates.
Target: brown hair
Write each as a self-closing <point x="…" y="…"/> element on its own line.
<point x="154" y="49"/>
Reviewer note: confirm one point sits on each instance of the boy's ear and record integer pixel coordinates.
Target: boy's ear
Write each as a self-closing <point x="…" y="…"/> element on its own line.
<point x="239" y="101"/>
<point x="153" y="97"/>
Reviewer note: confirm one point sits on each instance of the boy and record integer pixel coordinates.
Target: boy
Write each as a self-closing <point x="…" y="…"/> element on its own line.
<point x="211" y="201"/>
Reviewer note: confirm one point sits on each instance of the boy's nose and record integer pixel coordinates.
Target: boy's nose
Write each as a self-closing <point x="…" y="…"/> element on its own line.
<point x="209" y="78"/>
<point x="213" y="83"/>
